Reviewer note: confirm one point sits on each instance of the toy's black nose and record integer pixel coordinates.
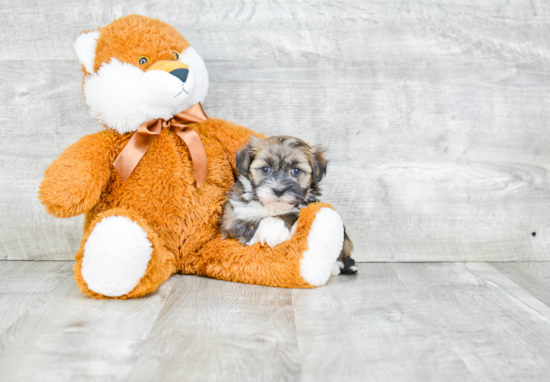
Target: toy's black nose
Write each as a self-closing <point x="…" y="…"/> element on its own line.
<point x="279" y="191"/>
<point x="181" y="74"/>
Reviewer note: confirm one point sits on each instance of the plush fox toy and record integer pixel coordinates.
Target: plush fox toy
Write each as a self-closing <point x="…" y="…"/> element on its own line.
<point x="153" y="183"/>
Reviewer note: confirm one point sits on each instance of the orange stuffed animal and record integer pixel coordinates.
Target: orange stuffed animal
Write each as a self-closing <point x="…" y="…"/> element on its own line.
<point x="153" y="183"/>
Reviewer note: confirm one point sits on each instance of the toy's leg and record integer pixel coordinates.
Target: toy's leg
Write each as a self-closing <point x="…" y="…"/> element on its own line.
<point x="121" y="257"/>
<point x="304" y="261"/>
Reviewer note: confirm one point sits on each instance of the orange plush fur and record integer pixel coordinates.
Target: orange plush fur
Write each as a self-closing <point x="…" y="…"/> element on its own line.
<point x="181" y="221"/>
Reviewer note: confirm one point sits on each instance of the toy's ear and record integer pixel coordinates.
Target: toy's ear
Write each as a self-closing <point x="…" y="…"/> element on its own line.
<point x="245" y="156"/>
<point x="319" y="165"/>
<point x="84" y="47"/>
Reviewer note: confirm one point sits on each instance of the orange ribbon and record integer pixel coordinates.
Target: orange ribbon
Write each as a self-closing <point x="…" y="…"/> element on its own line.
<point x="138" y="145"/>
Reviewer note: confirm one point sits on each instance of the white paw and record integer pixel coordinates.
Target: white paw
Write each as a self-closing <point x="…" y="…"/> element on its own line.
<point x="272" y="231"/>
<point x="325" y="241"/>
<point x="116" y="256"/>
<point x="337" y="268"/>
<point x="293" y="229"/>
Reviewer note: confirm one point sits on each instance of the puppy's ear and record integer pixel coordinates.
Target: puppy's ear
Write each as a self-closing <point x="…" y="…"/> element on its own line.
<point x="244" y="158"/>
<point x="255" y="141"/>
<point x="319" y="164"/>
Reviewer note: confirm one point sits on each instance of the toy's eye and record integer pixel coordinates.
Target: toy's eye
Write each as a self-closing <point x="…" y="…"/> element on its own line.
<point x="296" y="171"/>
<point x="176" y="55"/>
<point x="143" y="60"/>
<point x="266" y="170"/>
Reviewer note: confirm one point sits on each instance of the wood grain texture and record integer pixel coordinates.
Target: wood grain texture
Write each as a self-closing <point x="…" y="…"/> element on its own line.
<point x="40" y="115"/>
<point x="422" y="322"/>
<point x="443" y="211"/>
<point x="498" y="329"/>
<point x="435" y="115"/>
<point x="370" y="327"/>
<point x="24" y="283"/>
<point x="534" y="277"/>
<point x="351" y="30"/>
<point x="390" y="322"/>
<point x="212" y="330"/>
<point x="70" y="337"/>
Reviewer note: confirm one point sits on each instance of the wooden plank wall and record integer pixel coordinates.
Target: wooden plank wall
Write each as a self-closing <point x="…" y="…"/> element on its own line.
<point x="435" y="114"/>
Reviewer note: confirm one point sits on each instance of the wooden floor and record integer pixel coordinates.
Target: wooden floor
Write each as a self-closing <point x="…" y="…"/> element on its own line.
<point x="391" y="322"/>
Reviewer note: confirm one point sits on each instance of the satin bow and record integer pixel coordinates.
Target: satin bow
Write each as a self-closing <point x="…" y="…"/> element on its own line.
<point x="138" y="145"/>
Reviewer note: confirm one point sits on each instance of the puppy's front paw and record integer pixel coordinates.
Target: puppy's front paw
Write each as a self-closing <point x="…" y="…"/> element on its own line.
<point x="271" y="231"/>
<point x="293" y="229"/>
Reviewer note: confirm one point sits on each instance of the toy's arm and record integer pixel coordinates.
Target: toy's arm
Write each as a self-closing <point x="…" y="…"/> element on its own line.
<point x="73" y="183"/>
<point x="232" y="137"/>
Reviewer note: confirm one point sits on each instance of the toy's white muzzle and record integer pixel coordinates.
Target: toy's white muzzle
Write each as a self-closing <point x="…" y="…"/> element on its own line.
<point x="167" y="84"/>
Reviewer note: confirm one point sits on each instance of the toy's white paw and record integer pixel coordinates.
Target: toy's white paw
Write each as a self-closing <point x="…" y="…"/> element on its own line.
<point x="116" y="256"/>
<point x="271" y="231"/>
<point x="324" y="241"/>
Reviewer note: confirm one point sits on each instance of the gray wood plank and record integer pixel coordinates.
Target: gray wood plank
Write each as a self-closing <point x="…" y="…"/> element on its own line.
<point x="443" y="211"/>
<point x="58" y="118"/>
<point x="211" y="330"/>
<point x="70" y="337"/>
<point x="499" y="330"/>
<point x="351" y="30"/>
<point x="32" y="277"/>
<point x="422" y="322"/>
<point x="390" y="322"/>
<point x="534" y="277"/>
<point x="24" y="283"/>
<point x="374" y="112"/>
<point x="370" y="327"/>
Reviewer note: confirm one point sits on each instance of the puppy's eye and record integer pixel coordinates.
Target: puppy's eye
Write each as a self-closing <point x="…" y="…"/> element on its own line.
<point x="176" y="55"/>
<point x="143" y="60"/>
<point x="266" y="170"/>
<point x="296" y="171"/>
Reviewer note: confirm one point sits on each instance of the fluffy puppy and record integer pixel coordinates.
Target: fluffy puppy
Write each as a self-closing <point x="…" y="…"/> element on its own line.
<point x="278" y="176"/>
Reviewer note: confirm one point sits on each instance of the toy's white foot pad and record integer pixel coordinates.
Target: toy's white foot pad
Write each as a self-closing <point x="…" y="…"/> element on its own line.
<point x="116" y="256"/>
<point x="325" y="242"/>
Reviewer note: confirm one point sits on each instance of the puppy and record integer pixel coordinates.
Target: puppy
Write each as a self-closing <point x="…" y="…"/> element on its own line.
<point x="278" y="176"/>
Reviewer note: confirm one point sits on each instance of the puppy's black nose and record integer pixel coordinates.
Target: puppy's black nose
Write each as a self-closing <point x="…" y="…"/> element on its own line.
<point x="279" y="191"/>
<point x="181" y="74"/>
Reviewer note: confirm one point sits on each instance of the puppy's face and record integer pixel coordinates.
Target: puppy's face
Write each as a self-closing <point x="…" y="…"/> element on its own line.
<point x="282" y="170"/>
